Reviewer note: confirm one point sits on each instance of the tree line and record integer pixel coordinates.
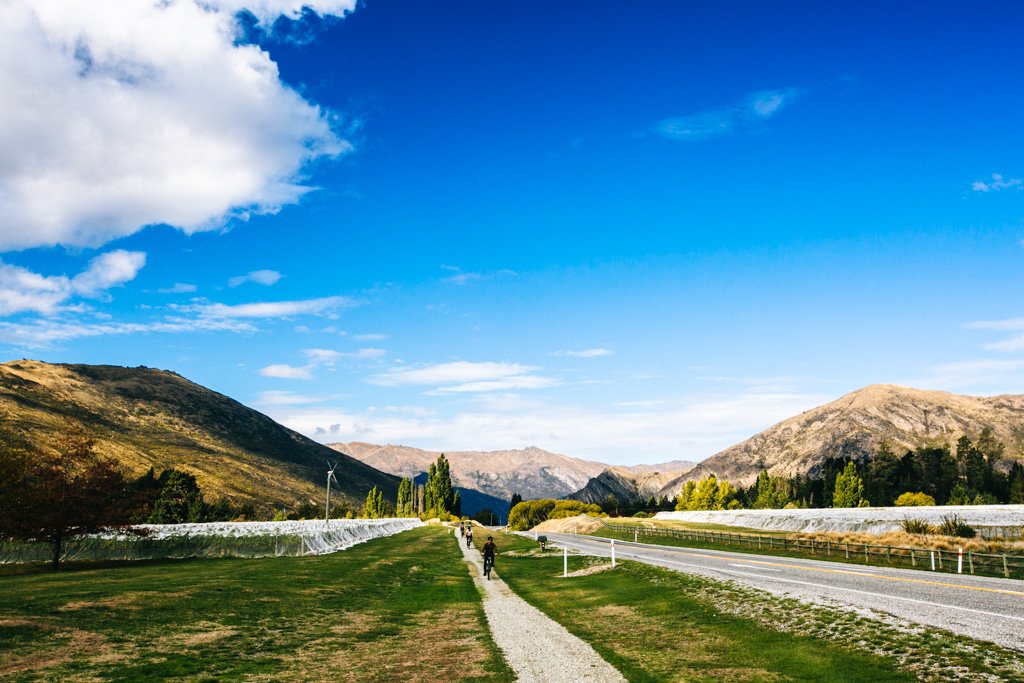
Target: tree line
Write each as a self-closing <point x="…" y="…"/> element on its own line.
<point x="54" y="495"/>
<point x="973" y="472"/>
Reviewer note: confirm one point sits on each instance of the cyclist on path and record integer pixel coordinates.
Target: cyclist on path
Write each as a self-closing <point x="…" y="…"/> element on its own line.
<point x="489" y="551"/>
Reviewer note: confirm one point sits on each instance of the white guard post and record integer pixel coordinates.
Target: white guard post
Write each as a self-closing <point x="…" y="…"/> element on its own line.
<point x="565" y="561"/>
<point x="960" y="562"/>
<point x="613" y="553"/>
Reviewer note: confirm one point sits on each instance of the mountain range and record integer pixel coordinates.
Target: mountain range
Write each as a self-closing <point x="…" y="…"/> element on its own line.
<point x="531" y="472"/>
<point x="856" y="425"/>
<point x="143" y="418"/>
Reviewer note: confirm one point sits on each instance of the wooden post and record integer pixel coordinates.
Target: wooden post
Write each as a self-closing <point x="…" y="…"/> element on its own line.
<point x="888" y="554"/>
<point x="1006" y="569"/>
<point x="847" y="548"/>
<point x="866" y="560"/>
<point x="970" y="561"/>
<point x="913" y="560"/>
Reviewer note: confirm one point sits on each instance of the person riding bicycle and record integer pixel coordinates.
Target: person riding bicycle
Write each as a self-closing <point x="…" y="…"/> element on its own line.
<point x="469" y="537"/>
<point x="489" y="551"/>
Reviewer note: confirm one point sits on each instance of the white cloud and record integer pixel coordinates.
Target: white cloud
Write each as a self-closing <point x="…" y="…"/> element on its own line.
<point x="286" y="398"/>
<point x="1013" y="343"/>
<point x="375" y="336"/>
<point x="693" y="428"/>
<point x="464" y="278"/>
<point x="274" y="309"/>
<point x="466" y="377"/>
<point x="260" y="277"/>
<point x="330" y="357"/>
<point x="284" y="371"/>
<point x="108" y="270"/>
<point x="986" y="376"/>
<point x="22" y="290"/>
<point x="319" y="358"/>
<point x="1008" y="324"/>
<point x="44" y="333"/>
<point x="147" y="112"/>
<point x="585" y="353"/>
<point x="997" y="183"/>
<point x="756" y="107"/>
<point x="178" y="288"/>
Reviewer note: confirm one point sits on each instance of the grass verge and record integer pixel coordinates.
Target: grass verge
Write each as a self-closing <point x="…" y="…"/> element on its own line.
<point x="398" y="608"/>
<point x="654" y="624"/>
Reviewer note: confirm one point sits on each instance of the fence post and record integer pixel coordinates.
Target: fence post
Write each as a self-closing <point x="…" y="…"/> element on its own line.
<point x="866" y="560"/>
<point x="847" y="548"/>
<point x="636" y="535"/>
<point x="970" y="561"/>
<point x="940" y="558"/>
<point x="828" y="548"/>
<point x="888" y="554"/>
<point x="913" y="560"/>
<point x="1006" y="570"/>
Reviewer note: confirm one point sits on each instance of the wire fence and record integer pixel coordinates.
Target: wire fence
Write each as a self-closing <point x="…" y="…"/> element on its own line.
<point x="1006" y="565"/>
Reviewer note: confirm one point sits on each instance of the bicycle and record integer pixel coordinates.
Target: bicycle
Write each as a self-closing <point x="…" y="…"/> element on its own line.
<point x="488" y="565"/>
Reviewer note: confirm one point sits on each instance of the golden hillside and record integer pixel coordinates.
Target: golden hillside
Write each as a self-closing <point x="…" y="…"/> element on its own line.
<point x="145" y="418"/>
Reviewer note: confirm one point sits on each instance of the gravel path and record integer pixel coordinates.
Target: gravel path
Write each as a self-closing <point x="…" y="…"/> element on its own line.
<point x="538" y="649"/>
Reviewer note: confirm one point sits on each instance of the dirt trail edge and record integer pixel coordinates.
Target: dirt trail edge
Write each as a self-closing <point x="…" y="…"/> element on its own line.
<point x="538" y="649"/>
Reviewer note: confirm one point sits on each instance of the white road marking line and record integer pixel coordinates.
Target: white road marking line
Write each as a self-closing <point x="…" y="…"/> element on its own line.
<point x="871" y="593"/>
<point x="827" y="587"/>
<point x="750" y="566"/>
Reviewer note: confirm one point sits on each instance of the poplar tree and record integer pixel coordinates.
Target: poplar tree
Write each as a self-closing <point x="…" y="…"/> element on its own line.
<point x="849" y="489"/>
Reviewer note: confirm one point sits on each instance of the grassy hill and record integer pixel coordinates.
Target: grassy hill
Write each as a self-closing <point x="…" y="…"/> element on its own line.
<point x="143" y="417"/>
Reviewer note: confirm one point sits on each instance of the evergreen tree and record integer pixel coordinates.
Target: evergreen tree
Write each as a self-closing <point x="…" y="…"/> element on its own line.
<point x="849" y="489"/>
<point x="429" y="489"/>
<point x="516" y="499"/>
<point x="881" y="477"/>
<point x="180" y="500"/>
<point x="403" y="507"/>
<point x="1016" y="484"/>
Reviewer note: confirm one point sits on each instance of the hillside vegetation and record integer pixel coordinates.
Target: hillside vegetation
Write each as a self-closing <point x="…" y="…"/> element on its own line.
<point x="858" y="425"/>
<point x="146" y="418"/>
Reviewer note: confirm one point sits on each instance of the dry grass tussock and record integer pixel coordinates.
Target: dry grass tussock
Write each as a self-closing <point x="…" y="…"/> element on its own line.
<point x="905" y="540"/>
<point x="580" y="524"/>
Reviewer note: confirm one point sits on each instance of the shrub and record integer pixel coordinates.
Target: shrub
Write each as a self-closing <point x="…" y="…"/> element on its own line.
<point x="641" y="514"/>
<point x="530" y="513"/>
<point x="919" y="499"/>
<point x="917" y="526"/>
<point x="952" y="525"/>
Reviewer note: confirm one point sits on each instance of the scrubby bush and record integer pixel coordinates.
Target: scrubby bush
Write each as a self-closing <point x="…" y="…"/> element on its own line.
<point x="917" y="526"/>
<point x="530" y="513"/>
<point x="953" y="525"/>
<point x="918" y="499"/>
<point x="641" y="514"/>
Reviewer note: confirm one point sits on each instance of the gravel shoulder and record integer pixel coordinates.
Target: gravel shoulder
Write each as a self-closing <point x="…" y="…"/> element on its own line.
<point x="538" y="649"/>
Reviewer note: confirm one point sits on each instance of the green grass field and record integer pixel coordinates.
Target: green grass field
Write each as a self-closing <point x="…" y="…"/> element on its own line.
<point x="400" y="608"/>
<point x="654" y="624"/>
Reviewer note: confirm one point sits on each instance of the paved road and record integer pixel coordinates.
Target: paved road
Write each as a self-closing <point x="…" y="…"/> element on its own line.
<point x="981" y="607"/>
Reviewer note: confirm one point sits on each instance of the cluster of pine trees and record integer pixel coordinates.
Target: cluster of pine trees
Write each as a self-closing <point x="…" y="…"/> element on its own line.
<point x="970" y="473"/>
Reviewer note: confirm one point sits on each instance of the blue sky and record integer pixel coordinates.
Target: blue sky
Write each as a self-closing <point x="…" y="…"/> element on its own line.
<point x="630" y="234"/>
